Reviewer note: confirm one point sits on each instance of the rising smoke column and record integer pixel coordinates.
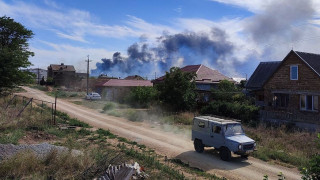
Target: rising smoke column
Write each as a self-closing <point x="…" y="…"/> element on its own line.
<point x="171" y="50"/>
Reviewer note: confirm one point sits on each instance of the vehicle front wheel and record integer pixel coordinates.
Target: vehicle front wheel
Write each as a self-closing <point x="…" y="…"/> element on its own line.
<point x="198" y="146"/>
<point x="225" y="154"/>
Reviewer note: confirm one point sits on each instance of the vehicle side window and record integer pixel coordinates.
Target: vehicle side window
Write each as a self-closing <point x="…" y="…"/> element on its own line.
<point x="216" y="129"/>
<point x="201" y="124"/>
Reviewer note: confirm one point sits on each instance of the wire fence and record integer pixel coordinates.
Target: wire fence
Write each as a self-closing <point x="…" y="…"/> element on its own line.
<point x="26" y="104"/>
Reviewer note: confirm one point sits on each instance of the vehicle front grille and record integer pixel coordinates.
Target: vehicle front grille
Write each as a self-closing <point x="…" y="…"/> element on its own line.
<point x="248" y="147"/>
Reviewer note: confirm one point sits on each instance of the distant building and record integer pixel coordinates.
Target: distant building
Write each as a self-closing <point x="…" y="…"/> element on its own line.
<point x="116" y="89"/>
<point x="134" y="77"/>
<point x="62" y="75"/>
<point x="289" y="90"/>
<point x="40" y="73"/>
<point x="206" y="79"/>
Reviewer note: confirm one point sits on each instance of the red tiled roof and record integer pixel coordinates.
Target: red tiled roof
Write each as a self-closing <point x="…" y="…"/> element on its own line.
<point x="125" y="83"/>
<point x="204" y="74"/>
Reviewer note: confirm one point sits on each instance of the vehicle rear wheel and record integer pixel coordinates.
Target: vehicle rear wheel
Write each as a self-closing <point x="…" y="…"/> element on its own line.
<point x="198" y="146"/>
<point x="225" y="154"/>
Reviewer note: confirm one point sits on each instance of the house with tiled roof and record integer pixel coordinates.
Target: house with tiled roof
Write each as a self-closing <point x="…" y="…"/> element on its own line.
<point x="206" y="79"/>
<point x="288" y="90"/>
<point x="116" y="89"/>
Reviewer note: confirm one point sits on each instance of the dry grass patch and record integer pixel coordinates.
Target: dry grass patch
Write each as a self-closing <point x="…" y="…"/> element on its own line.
<point x="295" y="148"/>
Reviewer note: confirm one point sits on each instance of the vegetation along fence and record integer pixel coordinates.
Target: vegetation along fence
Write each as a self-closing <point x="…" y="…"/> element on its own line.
<point x="27" y="104"/>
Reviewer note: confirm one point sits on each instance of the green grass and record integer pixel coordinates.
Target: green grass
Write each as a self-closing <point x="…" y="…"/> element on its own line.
<point x="116" y="113"/>
<point x="107" y="133"/>
<point x="76" y="122"/>
<point x="39" y="87"/>
<point x="11" y="137"/>
<point x="84" y="132"/>
<point x="66" y="94"/>
<point x="77" y="102"/>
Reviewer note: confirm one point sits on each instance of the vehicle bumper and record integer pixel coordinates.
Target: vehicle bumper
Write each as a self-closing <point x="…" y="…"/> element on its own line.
<point x="244" y="152"/>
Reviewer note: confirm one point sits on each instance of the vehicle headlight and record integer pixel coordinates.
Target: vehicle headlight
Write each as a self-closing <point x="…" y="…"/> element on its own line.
<point x="240" y="146"/>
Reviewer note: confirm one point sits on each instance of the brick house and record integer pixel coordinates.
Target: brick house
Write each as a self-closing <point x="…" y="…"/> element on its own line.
<point x="117" y="89"/>
<point x="288" y="90"/>
<point x="62" y="75"/>
<point x="206" y="79"/>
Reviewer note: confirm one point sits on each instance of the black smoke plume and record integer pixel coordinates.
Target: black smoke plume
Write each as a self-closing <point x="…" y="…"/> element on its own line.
<point x="171" y="50"/>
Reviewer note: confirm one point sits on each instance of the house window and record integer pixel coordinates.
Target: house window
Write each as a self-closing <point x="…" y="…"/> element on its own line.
<point x="281" y="100"/>
<point x="294" y="72"/>
<point x="309" y="102"/>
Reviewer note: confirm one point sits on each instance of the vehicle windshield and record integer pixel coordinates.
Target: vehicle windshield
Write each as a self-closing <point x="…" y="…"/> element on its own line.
<point x="233" y="129"/>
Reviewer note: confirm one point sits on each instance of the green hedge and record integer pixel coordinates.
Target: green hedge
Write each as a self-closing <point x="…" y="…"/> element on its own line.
<point x="244" y="112"/>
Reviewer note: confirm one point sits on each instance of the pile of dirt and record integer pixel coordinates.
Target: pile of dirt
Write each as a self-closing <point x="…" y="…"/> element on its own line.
<point x="41" y="150"/>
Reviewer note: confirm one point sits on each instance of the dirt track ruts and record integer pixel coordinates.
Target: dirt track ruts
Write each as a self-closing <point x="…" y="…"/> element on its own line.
<point x="170" y="144"/>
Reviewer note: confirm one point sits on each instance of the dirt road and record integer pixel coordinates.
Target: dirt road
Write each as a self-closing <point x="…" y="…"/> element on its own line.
<point x="170" y="144"/>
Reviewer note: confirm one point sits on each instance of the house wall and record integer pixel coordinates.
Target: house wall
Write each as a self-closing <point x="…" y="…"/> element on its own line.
<point x="113" y="93"/>
<point x="308" y="83"/>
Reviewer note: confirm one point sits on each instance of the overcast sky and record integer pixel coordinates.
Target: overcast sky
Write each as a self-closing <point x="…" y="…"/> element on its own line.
<point x="237" y="34"/>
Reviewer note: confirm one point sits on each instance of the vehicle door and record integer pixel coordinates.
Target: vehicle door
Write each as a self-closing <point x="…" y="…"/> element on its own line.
<point x="217" y="135"/>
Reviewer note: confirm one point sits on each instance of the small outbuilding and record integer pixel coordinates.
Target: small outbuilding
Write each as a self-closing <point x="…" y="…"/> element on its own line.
<point x="117" y="89"/>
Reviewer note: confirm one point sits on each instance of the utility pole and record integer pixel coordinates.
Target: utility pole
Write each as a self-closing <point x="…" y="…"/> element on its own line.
<point x="38" y="75"/>
<point x="88" y="61"/>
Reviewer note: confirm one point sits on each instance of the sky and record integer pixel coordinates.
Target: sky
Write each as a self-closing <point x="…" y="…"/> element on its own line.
<point x="147" y="37"/>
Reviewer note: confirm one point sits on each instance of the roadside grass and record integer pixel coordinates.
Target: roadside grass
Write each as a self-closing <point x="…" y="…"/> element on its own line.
<point x="184" y="118"/>
<point x="66" y="94"/>
<point x="39" y="87"/>
<point x="294" y="148"/>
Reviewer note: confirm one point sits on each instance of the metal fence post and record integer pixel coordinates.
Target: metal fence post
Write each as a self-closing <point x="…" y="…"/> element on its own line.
<point x="52" y="112"/>
<point x="55" y="109"/>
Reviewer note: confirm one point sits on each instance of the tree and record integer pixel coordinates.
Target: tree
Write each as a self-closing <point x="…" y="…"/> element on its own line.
<point x="142" y="96"/>
<point x="178" y="89"/>
<point x="225" y="91"/>
<point x="14" y="53"/>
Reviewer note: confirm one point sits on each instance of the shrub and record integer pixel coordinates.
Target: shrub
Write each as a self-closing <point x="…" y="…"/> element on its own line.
<point x="109" y="106"/>
<point x="244" y="112"/>
<point x="133" y="115"/>
<point x="141" y="96"/>
<point x="312" y="171"/>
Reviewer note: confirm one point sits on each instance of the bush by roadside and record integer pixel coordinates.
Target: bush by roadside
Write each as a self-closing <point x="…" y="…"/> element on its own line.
<point x="235" y="110"/>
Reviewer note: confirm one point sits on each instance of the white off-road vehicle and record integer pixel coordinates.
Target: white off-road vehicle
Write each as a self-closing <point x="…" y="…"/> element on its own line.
<point x="224" y="135"/>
